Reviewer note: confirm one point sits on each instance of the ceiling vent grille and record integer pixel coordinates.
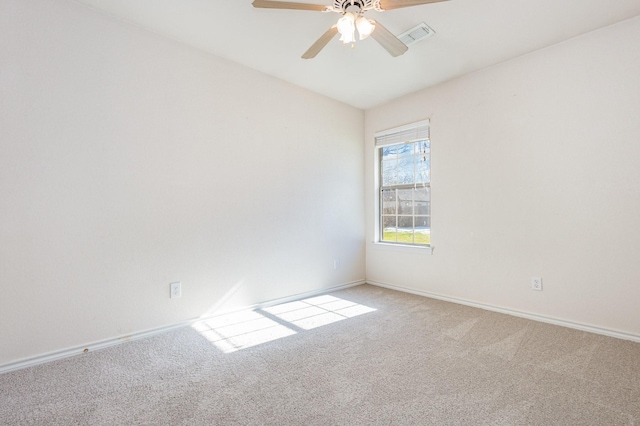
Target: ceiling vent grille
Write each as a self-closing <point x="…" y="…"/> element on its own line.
<point x="416" y="34"/>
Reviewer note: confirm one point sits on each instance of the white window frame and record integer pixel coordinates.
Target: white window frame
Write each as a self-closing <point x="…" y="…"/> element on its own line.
<point x="410" y="133"/>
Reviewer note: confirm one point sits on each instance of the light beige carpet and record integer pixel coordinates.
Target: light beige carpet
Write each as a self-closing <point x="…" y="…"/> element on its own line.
<point x="388" y="358"/>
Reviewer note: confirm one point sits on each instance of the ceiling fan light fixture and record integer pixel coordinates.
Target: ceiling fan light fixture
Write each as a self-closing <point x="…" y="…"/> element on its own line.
<point x="365" y="27"/>
<point x="347" y="28"/>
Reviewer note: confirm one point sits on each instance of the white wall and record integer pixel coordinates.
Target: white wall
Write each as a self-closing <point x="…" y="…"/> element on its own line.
<point x="129" y="161"/>
<point x="536" y="172"/>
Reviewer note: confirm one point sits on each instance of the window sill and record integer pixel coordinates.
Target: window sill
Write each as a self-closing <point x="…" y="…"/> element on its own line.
<point x="402" y="248"/>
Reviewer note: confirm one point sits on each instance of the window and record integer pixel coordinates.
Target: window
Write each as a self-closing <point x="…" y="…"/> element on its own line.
<point x="404" y="156"/>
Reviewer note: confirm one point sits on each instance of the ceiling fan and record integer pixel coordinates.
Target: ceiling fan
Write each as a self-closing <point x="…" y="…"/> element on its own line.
<point x="352" y="12"/>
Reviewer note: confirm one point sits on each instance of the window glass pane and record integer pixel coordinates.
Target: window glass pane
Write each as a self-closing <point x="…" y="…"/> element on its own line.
<point x="422" y="194"/>
<point x="389" y="152"/>
<point x="389" y="201"/>
<point x="405" y="229"/>
<point x="422" y="147"/>
<point x="388" y="228"/>
<point x="422" y="207"/>
<point x="405" y="149"/>
<point x="405" y="223"/>
<point x="423" y="169"/>
<point x="423" y="222"/>
<point x="406" y="170"/>
<point x="422" y="204"/>
<point x="422" y="233"/>
<point x="389" y="173"/>
<point x="405" y="201"/>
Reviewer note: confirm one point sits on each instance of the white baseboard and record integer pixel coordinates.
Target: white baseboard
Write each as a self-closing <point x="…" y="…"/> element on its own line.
<point x="101" y="344"/>
<point x="535" y="317"/>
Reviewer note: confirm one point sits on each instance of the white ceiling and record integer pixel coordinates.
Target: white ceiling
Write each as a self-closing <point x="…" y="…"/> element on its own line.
<point x="470" y="35"/>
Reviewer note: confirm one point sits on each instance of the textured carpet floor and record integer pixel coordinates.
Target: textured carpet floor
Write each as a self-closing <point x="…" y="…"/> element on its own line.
<point x="411" y="361"/>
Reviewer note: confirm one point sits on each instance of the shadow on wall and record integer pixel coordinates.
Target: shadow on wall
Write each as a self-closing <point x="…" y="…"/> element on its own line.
<point x="241" y="330"/>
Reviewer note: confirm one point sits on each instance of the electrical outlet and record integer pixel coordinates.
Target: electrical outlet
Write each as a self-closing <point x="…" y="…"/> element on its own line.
<point x="175" y="290"/>
<point x="536" y="283"/>
<point x="336" y="264"/>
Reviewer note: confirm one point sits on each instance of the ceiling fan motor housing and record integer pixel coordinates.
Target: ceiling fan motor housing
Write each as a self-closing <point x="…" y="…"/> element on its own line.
<point x="355" y="6"/>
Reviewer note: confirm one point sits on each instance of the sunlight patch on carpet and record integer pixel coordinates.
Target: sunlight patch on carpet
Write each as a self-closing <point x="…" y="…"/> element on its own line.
<point x="318" y="311"/>
<point x="241" y="330"/>
<point x="245" y="329"/>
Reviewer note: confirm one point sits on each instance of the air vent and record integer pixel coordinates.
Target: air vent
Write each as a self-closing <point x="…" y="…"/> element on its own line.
<point x="415" y="34"/>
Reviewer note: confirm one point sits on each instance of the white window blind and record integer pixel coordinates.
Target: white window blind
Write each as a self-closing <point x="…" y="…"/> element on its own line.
<point x="404" y="134"/>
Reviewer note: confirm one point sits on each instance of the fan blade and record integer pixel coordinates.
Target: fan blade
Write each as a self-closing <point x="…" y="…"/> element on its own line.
<point x="269" y="4"/>
<point x="387" y="40"/>
<point x="320" y="43"/>
<point x="397" y="4"/>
